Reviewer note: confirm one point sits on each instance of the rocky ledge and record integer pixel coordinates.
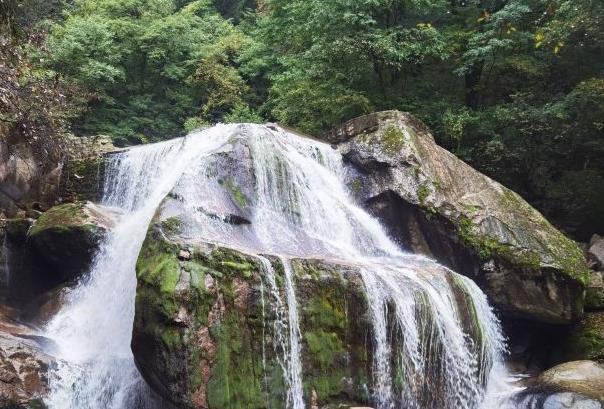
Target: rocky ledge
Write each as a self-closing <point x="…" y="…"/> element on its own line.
<point x="24" y="365"/>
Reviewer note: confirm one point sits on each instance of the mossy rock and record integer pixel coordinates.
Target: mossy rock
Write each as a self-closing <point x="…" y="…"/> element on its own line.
<point x="204" y="336"/>
<point x="594" y="293"/>
<point x="585" y="340"/>
<point x="67" y="236"/>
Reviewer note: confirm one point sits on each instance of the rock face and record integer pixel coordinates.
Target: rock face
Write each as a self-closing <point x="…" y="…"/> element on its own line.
<point x="594" y="294"/>
<point x="596" y="251"/>
<point x="206" y="331"/>
<point x="585" y="340"/>
<point x="38" y="257"/>
<point x="201" y="337"/>
<point x="577" y="384"/>
<point x="67" y="236"/>
<point x="28" y="180"/>
<point x="435" y="204"/>
<point x="23" y="367"/>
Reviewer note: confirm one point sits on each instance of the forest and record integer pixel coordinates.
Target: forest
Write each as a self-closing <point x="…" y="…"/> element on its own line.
<point x="513" y="87"/>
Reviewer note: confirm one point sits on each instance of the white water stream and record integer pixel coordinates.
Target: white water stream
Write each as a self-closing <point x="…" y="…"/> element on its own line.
<point x="423" y="354"/>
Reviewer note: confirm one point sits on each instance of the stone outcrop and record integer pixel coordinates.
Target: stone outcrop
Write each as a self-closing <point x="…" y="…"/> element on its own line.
<point x="66" y="237"/>
<point x="203" y="333"/>
<point x="30" y="181"/>
<point x="39" y="257"/>
<point x="23" y="366"/>
<point x="577" y="384"/>
<point x="435" y="204"/>
<point x="205" y="324"/>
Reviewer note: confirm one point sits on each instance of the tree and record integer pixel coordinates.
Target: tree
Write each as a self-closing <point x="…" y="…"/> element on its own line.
<point x="148" y="65"/>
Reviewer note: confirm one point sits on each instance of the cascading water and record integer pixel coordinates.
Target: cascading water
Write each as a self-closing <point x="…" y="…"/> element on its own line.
<point x="286" y="330"/>
<point x="424" y="355"/>
<point x="93" y="330"/>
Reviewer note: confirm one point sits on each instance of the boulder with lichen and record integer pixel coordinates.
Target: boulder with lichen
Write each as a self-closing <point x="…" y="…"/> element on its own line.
<point x="435" y="204"/>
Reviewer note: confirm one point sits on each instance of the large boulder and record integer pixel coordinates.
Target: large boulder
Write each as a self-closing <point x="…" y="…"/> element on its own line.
<point x="39" y="257"/>
<point x="572" y="385"/>
<point x="596" y="251"/>
<point x="209" y="327"/>
<point x="204" y="332"/>
<point x="435" y="204"/>
<point x="66" y="237"/>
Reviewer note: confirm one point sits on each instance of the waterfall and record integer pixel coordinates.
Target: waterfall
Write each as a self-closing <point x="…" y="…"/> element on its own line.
<point x="426" y="319"/>
<point x="93" y="330"/>
<point x="286" y="332"/>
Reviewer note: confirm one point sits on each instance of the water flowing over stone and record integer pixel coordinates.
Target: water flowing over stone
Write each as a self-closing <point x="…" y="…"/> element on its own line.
<point x="94" y="329"/>
<point x="265" y="191"/>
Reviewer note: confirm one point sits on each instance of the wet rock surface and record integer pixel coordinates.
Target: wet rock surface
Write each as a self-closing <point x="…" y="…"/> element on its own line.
<point x="435" y="204"/>
<point x="204" y="337"/>
<point x="575" y="385"/>
<point x="24" y="366"/>
<point x="205" y="331"/>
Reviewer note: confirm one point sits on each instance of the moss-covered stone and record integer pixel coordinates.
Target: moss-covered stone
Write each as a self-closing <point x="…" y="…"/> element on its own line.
<point x="393" y="139"/>
<point x="66" y="237"/>
<point x="335" y="358"/>
<point x="585" y="340"/>
<point x="237" y="194"/>
<point x="204" y="336"/>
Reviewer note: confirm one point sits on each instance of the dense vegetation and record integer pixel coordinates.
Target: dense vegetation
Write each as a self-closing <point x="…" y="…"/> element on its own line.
<point x="514" y="87"/>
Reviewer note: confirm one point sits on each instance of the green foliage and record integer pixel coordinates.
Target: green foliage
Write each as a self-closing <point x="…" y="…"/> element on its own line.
<point x="512" y="87"/>
<point x="149" y="66"/>
<point x="35" y="103"/>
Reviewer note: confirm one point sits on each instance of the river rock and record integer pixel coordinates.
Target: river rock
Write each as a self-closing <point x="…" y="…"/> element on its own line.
<point x="594" y="293"/>
<point x="66" y="237"/>
<point x="575" y="385"/>
<point x="24" y="366"/>
<point x="585" y="340"/>
<point x="200" y="338"/>
<point x="435" y="204"/>
<point x="596" y="251"/>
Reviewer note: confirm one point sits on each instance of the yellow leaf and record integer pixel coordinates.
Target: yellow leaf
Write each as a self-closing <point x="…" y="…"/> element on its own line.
<point x="538" y="44"/>
<point x="484" y="16"/>
<point x="539" y="37"/>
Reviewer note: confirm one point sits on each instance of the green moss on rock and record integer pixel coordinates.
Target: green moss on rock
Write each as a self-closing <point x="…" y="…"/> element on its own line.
<point x="393" y="139"/>
<point x="586" y="340"/>
<point x="62" y="217"/>
<point x="236" y="193"/>
<point x="236" y="375"/>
